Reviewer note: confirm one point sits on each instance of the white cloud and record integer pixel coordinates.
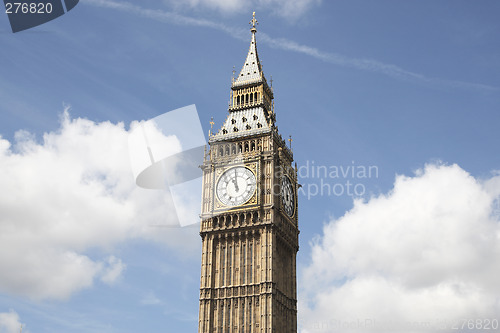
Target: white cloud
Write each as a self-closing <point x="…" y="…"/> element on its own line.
<point x="371" y="65"/>
<point x="291" y="9"/>
<point x="68" y="194"/>
<point x="427" y="253"/>
<point x="288" y="8"/>
<point x="150" y="299"/>
<point x="9" y="322"/>
<point x="113" y="271"/>
<point x="226" y="6"/>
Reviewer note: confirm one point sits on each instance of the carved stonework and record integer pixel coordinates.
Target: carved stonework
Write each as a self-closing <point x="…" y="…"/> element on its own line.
<point x="249" y="243"/>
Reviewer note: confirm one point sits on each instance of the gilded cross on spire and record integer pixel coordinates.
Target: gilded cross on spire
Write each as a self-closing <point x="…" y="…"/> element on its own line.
<point x="254" y="23"/>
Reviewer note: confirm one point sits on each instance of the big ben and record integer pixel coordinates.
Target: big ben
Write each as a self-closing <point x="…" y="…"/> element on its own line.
<point x="249" y="224"/>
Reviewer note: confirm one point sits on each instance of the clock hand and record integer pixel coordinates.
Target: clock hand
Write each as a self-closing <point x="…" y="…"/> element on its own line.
<point x="235" y="181"/>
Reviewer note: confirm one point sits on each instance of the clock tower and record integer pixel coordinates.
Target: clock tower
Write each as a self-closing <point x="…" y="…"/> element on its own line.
<point x="249" y="225"/>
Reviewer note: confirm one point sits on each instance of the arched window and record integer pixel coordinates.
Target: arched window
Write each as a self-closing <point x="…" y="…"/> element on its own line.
<point x="221" y="151"/>
<point x="252" y="146"/>
<point x="246" y="99"/>
<point x="233" y="149"/>
<point x="255" y="97"/>
<point x="255" y="217"/>
<point x="227" y="150"/>
<point x="240" y="148"/>
<point x="251" y="98"/>
<point x="246" y="146"/>
<point x="238" y="100"/>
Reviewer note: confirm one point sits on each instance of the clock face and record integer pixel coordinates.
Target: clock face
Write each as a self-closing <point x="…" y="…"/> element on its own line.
<point x="287" y="196"/>
<point x="236" y="186"/>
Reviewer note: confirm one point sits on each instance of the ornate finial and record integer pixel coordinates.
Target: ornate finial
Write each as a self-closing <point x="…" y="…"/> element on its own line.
<point x="271" y="81"/>
<point x="254" y="23"/>
<point x="211" y="126"/>
<point x="290" y="140"/>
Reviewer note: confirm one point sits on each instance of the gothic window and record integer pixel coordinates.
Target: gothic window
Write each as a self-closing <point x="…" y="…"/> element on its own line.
<point x="230" y="256"/>
<point x="243" y="313"/>
<point x="240" y="148"/>
<point x="233" y="149"/>
<point x="227" y="150"/>
<point x="238" y="100"/>
<point x="250" y="259"/>
<point x="250" y="319"/>
<point x="221" y="151"/>
<point x="246" y="146"/>
<point x="252" y="146"/>
<point x="246" y="99"/>
<point x="223" y="266"/>
<point x="244" y="264"/>
<point x="255" y="96"/>
<point x="251" y="98"/>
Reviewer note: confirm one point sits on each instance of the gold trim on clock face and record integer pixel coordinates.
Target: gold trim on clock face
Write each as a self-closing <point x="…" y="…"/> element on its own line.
<point x="287" y="196"/>
<point x="236" y="186"/>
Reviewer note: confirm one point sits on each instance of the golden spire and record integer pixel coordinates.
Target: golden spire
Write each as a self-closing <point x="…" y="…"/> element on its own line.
<point x="254" y="23"/>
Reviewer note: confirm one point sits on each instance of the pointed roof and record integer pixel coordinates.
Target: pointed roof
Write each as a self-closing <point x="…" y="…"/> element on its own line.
<point x="241" y="123"/>
<point x="251" y="71"/>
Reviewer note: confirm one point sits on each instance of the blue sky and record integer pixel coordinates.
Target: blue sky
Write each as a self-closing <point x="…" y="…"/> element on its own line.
<point x="412" y="88"/>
